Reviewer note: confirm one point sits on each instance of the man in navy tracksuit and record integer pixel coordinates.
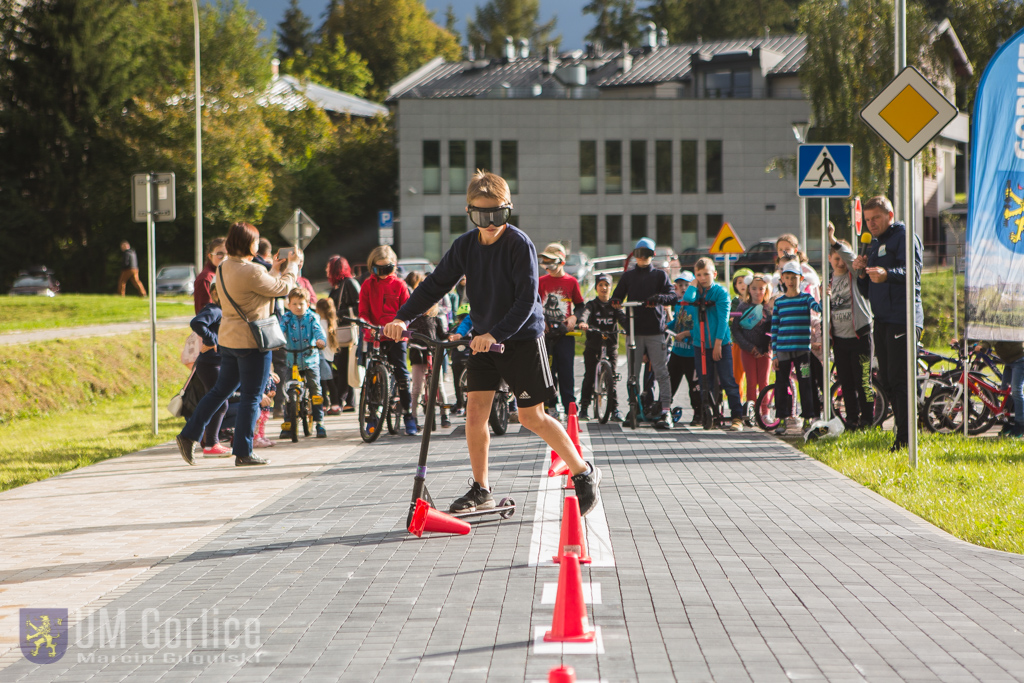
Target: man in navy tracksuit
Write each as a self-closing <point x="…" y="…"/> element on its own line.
<point x="500" y="265"/>
<point x="882" y="277"/>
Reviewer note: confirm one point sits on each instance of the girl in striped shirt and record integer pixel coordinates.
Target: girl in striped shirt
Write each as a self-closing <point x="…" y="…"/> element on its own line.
<point x="791" y="347"/>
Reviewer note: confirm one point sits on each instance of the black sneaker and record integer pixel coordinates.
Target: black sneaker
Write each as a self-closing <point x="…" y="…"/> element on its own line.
<point x="616" y="415"/>
<point x="251" y="460"/>
<point x="696" y="421"/>
<point x="582" y="416"/>
<point x="445" y="422"/>
<point x="586" y="484"/>
<point x="477" y="498"/>
<point x="187" y="447"/>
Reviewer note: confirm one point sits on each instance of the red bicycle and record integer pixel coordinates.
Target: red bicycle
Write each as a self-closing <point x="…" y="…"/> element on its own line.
<point x="986" y="405"/>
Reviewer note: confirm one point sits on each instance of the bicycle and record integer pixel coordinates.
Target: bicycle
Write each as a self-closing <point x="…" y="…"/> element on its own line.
<point x="605" y="378"/>
<point x="500" y="410"/>
<point x="378" y="397"/>
<point x="298" y="401"/>
<point x="636" y="414"/>
<point x="986" y="403"/>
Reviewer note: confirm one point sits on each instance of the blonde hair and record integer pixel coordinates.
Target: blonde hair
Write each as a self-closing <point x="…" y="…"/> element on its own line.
<point x="489" y="186"/>
<point x="298" y="293"/>
<point x="325" y="309"/>
<point x="704" y="263"/>
<point x="766" y="281"/>
<point x="380" y="253"/>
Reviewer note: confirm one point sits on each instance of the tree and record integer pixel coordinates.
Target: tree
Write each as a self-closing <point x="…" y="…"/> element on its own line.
<point x="982" y="26"/>
<point x="686" y="20"/>
<point x="395" y="37"/>
<point x="617" y="22"/>
<point x="332" y="64"/>
<point x="516" y="18"/>
<point x="451" y="23"/>
<point x="295" y="33"/>
<point x="849" y="61"/>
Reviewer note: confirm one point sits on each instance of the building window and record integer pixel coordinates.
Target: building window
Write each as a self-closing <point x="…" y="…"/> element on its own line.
<point x="727" y="83"/>
<point x="457" y="226"/>
<point x="663" y="166"/>
<point x="613" y="233"/>
<point x="638" y="166"/>
<point x="482" y="156"/>
<point x="714" y="166"/>
<point x="457" y="167"/>
<point x="689" y="231"/>
<point x="510" y="164"/>
<point x="431" y="166"/>
<point x="432" y="238"/>
<point x="663" y="230"/>
<point x="715" y="221"/>
<point x="588" y="235"/>
<point x="613" y="166"/>
<point x="588" y="166"/>
<point x="637" y="227"/>
<point x="688" y="166"/>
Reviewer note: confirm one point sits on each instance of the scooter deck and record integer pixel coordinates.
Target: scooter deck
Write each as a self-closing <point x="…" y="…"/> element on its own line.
<point x="505" y="509"/>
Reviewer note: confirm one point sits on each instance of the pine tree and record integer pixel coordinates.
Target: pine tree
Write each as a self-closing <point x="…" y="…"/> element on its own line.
<point x="295" y="33"/>
<point x="451" y="23"/>
<point x="499" y="19"/>
<point x="616" y="22"/>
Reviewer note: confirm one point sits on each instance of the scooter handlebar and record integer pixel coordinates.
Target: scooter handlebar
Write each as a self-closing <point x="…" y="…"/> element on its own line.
<point x="436" y="343"/>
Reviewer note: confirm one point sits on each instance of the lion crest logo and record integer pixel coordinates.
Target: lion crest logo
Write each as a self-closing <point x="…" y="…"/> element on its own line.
<point x="1013" y="210"/>
<point x="44" y="634"/>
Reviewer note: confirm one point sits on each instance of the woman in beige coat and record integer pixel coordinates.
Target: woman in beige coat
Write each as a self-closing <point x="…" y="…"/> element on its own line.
<point x="243" y="366"/>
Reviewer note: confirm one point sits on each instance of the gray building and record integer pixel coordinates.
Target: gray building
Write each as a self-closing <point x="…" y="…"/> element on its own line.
<point x="603" y="147"/>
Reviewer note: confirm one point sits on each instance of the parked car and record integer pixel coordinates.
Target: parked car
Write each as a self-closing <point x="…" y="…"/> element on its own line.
<point x="37" y="280"/>
<point x="176" y="279"/>
<point x="666" y="259"/>
<point x="407" y="265"/>
<point x="760" y="258"/>
<point x="578" y="265"/>
<point x="688" y="257"/>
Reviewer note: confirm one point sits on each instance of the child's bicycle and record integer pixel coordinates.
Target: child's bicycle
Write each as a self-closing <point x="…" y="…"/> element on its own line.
<point x="987" y="403"/>
<point x="378" y="398"/>
<point x="605" y="378"/>
<point x="298" y="402"/>
<point x="500" y="407"/>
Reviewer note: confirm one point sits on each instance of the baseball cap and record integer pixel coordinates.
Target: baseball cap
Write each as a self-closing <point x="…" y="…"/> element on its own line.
<point x="603" y="277"/>
<point x="685" y="276"/>
<point x="793" y="267"/>
<point x="645" y="243"/>
<point x="554" y="250"/>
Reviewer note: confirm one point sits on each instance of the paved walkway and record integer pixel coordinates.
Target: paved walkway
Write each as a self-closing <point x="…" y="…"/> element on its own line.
<point x="105" y="330"/>
<point x="725" y="557"/>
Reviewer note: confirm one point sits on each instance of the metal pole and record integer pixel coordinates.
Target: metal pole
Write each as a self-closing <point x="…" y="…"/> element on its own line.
<point x="200" y="258"/>
<point x="803" y="222"/>
<point x="151" y="268"/>
<point x="825" y="320"/>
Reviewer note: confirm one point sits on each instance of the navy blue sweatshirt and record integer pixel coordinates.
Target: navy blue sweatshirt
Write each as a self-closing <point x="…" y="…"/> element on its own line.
<point x="889" y="298"/>
<point x="207" y="324"/>
<point x="501" y="281"/>
<point x="642" y="284"/>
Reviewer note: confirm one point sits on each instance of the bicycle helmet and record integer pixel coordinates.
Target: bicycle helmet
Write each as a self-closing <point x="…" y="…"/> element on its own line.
<point x="463" y="310"/>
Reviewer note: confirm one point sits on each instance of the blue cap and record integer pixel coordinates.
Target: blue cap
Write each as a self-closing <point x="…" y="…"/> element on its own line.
<point x="685" y="276"/>
<point x="645" y="243"/>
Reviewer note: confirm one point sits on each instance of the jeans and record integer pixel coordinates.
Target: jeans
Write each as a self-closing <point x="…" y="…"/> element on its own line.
<point x="653" y="345"/>
<point x="242" y="369"/>
<point x="563" y="354"/>
<point x="723" y="368"/>
<point x="207" y="374"/>
<point x="680" y="367"/>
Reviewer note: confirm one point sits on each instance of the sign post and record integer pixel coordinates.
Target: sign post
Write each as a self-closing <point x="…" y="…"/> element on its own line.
<point x="299" y="230"/>
<point x="727" y="244"/>
<point x="824" y="171"/>
<point x="152" y="202"/>
<point x="907" y="114"/>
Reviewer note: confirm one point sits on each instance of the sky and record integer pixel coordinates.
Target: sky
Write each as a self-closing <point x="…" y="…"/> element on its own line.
<point x="571" y="22"/>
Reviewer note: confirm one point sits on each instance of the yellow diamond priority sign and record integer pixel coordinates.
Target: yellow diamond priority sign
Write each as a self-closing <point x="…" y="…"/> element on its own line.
<point x="908" y="113"/>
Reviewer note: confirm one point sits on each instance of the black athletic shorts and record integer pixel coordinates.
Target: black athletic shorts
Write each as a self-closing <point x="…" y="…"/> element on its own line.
<point x="523" y="366"/>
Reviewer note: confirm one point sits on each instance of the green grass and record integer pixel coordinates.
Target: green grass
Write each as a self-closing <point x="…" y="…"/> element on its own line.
<point x="72" y="310"/>
<point x="973" y="489"/>
<point x="937" y="300"/>
<point x="69" y="403"/>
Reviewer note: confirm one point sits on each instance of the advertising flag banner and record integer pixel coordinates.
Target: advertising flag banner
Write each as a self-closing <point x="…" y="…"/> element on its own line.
<point x="995" y="215"/>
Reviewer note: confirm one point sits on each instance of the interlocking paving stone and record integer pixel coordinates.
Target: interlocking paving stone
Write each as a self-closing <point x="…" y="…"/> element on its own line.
<point x="736" y="558"/>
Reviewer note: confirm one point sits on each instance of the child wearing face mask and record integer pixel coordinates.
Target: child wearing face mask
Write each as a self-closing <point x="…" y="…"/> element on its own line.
<point x="380" y="297"/>
<point x="563" y="302"/>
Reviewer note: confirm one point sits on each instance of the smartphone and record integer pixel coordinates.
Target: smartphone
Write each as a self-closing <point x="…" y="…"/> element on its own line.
<point x="285" y="252"/>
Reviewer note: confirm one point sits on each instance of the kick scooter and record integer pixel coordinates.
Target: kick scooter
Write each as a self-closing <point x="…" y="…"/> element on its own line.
<point x="506" y="507"/>
<point x="708" y="404"/>
<point x="636" y="414"/>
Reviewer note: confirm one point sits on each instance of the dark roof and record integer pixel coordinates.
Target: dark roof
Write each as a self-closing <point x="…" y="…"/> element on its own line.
<point x="440" y="79"/>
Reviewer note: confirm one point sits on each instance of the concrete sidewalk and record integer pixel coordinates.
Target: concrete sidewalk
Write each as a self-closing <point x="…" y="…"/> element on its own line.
<point x="725" y="557"/>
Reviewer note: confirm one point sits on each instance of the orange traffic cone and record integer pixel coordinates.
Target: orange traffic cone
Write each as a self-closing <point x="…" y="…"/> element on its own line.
<point x="562" y="674"/>
<point x="570" y="624"/>
<point x="426" y="518"/>
<point x="572" y="539"/>
<point x="572" y="409"/>
<point x="574" y="434"/>
<point x="558" y="465"/>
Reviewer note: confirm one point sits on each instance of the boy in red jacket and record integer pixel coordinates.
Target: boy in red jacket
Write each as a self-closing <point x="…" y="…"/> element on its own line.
<point x="380" y="297"/>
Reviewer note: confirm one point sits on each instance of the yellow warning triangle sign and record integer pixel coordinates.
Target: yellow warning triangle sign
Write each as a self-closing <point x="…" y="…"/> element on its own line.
<point x="727" y="242"/>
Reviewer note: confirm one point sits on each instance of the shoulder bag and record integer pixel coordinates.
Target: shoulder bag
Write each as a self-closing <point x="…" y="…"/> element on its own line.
<point x="266" y="331"/>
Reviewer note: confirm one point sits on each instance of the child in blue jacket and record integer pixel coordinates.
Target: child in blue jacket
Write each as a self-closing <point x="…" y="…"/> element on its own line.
<point x="302" y="329"/>
<point x="716" y="341"/>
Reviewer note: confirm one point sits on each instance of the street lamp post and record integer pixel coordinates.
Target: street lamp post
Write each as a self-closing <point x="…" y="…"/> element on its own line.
<point x="199" y="147"/>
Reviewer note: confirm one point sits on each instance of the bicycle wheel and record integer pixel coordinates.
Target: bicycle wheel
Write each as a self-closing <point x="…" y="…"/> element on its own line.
<point x="394" y="408"/>
<point x="943" y="411"/>
<point x="881" y="405"/>
<point x="634" y="404"/>
<point x="499" y="413"/>
<point x="603" y="392"/>
<point x="372" y="403"/>
<point x="293" y="413"/>
<point x="764" y="409"/>
<point x="306" y="415"/>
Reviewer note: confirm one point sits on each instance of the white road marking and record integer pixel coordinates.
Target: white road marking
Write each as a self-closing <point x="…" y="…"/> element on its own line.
<point x="591" y="593"/>
<point x="540" y="647"/>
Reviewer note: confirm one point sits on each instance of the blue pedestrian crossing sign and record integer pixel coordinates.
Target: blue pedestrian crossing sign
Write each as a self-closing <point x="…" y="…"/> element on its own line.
<point x="825" y="170"/>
